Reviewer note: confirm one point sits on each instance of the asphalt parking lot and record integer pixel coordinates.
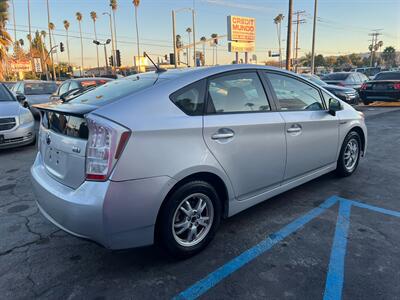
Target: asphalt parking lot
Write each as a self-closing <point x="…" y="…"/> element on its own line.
<point x="316" y="241"/>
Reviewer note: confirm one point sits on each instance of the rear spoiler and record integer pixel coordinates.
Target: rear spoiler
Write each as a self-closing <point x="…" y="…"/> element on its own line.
<point x="72" y="109"/>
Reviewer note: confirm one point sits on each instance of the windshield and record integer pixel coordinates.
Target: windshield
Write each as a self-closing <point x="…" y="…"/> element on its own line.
<point x="39" y="88"/>
<point x="336" y="76"/>
<point x="116" y="89"/>
<point x="5" y="94"/>
<point x="315" y="80"/>
<point x="388" y="76"/>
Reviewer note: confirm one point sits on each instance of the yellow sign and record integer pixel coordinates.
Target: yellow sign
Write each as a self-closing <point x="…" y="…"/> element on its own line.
<point x="241" y="46"/>
<point x="21" y="66"/>
<point x="241" y="29"/>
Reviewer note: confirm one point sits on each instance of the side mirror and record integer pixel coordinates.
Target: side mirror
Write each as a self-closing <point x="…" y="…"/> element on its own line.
<point x="25" y="104"/>
<point x="21" y="97"/>
<point x="334" y="106"/>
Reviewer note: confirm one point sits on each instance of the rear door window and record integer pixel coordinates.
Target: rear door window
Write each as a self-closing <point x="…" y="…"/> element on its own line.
<point x="190" y="99"/>
<point x="63" y="88"/>
<point x="235" y="93"/>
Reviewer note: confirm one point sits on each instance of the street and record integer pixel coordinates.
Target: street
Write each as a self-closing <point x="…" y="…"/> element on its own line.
<point x="39" y="260"/>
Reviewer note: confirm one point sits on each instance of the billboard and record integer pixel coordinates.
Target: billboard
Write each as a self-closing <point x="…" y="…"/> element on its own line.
<point x="241" y="29"/>
<point x="20" y="65"/>
<point x="241" y="46"/>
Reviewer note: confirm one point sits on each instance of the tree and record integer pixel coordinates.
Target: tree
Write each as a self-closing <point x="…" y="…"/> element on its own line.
<point x="320" y="61"/>
<point x="93" y="15"/>
<point x="136" y="4"/>
<point x="204" y="40"/>
<point x="330" y="61"/>
<point x="356" y="60"/>
<point x="79" y="19"/>
<point x="343" y="61"/>
<point x="52" y="27"/>
<point x="214" y="36"/>
<point x="5" y="38"/>
<point x="113" y="4"/>
<point x="66" y="26"/>
<point x="389" y="56"/>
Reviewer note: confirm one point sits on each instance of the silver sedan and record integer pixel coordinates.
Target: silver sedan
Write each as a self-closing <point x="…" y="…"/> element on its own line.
<point x="17" y="126"/>
<point x="162" y="157"/>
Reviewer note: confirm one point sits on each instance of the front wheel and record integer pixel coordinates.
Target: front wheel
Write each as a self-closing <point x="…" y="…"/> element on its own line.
<point x="189" y="219"/>
<point x="349" y="155"/>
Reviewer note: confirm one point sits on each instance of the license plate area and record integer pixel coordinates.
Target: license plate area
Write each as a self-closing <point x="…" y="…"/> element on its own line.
<point x="56" y="161"/>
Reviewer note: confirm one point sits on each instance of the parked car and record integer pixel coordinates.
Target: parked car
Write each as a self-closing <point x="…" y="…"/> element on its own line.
<point x="77" y="84"/>
<point x="35" y="91"/>
<point x="17" y="126"/>
<point x="385" y="87"/>
<point x="164" y="156"/>
<point x="352" y="80"/>
<point x="370" y="72"/>
<point x="346" y="94"/>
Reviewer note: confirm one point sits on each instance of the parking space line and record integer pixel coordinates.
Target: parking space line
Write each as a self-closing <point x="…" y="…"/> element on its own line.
<point x="224" y="271"/>
<point x="335" y="275"/>
<point x="334" y="280"/>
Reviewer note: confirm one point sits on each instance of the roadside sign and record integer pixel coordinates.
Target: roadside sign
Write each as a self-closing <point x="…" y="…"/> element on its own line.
<point x="37" y="64"/>
<point x="241" y="29"/>
<point x="22" y="65"/>
<point x="241" y="46"/>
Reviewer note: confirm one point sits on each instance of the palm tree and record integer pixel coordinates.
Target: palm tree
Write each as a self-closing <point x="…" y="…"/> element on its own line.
<point x="79" y="18"/>
<point x="43" y="43"/>
<point x="5" y="38"/>
<point x="278" y="22"/>
<point x="189" y="31"/>
<point x="66" y="26"/>
<point x="204" y="40"/>
<point x="93" y="15"/>
<point x="136" y="4"/>
<point x="214" y="36"/>
<point x="113" y="4"/>
<point x="52" y="27"/>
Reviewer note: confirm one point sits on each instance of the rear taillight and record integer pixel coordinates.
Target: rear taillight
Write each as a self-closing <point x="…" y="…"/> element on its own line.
<point x="340" y="83"/>
<point x="396" y="86"/>
<point x="105" y="145"/>
<point x="364" y="86"/>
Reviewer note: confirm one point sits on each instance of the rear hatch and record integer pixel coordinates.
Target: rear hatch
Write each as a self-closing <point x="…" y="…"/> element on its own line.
<point x="62" y="141"/>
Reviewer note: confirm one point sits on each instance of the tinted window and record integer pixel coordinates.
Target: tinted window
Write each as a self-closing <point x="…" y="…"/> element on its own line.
<point x="190" y="99"/>
<point x="5" y="94"/>
<point x="388" y="76"/>
<point x="63" y="88"/>
<point x="39" y="88"/>
<point x="239" y="92"/>
<point x="336" y="76"/>
<point x="294" y="94"/>
<point x="116" y="89"/>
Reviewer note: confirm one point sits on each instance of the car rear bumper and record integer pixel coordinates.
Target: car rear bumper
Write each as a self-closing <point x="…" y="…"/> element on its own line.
<point x="380" y="95"/>
<point x="117" y="215"/>
<point x="20" y="136"/>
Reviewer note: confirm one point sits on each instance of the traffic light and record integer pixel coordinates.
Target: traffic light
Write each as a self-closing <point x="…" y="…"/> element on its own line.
<point x="61" y="47"/>
<point x="111" y="61"/>
<point x="118" y="54"/>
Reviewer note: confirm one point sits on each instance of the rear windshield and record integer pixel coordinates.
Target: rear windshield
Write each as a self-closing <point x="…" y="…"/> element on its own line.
<point x="116" y="89"/>
<point x="388" y="76"/>
<point x="336" y="76"/>
<point x="5" y="94"/>
<point x="39" y="88"/>
<point x="86" y="83"/>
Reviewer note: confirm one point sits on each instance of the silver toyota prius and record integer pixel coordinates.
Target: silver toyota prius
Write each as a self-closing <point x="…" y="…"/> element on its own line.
<point x="161" y="157"/>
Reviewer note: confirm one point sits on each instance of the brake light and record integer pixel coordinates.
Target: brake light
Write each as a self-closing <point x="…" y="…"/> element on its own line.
<point x="397" y="86"/>
<point x="105" y="145"/>
<point x="364" y="86"/>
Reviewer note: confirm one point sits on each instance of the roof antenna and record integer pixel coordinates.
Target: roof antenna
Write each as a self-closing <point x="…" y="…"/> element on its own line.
<point x="158" y="69"/>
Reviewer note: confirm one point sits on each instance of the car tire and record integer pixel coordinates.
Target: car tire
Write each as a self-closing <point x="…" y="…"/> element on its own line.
<point x="349" y="156"/>
<point x="181" y="212"/>
<point x="366" y="102"/>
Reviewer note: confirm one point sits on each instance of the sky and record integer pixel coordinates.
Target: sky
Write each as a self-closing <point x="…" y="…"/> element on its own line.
<point x="342" y="28"/>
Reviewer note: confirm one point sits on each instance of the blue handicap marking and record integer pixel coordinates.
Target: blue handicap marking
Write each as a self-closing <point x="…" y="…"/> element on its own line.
<point x="335" y="274"/>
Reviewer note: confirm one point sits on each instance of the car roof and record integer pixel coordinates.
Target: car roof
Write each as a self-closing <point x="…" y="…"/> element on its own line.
<point x="90" y="78"/>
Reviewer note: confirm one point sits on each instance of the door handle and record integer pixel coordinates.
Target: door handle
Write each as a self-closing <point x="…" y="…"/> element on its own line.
<point x="223" y="133"/>
<point x="294" y="128"/>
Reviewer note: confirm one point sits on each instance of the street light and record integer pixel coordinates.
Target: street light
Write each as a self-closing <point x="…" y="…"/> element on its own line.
<point x="105" y="50"/>
<point x="112" y="38"/>
<point x="193" y="27"/>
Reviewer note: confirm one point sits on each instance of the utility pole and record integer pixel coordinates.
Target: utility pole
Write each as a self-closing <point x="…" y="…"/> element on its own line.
<point x="194" y="37"/>
<point x="313" y="37"/>
<point x="51" y="44"/>
<point x="289" y="36"/>
<point x="298" y="22"/>
<point x="174" y="39"/>
<point x="373" y="45"/>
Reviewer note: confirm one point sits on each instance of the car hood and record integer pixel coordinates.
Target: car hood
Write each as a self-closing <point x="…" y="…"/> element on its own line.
<point x="337" y="88"/>
<point x="9" y="108"/>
